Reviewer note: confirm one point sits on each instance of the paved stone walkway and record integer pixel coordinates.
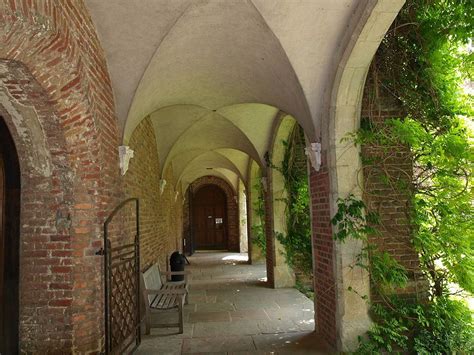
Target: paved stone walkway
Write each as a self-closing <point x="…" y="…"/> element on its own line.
<point x="231" y="311"/>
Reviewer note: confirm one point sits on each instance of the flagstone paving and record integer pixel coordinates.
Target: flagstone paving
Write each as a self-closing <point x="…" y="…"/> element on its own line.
<point x="231" y="311"/>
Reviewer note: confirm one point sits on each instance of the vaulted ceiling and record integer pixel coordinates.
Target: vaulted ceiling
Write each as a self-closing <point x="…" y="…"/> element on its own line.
<point x="213" y="75"/>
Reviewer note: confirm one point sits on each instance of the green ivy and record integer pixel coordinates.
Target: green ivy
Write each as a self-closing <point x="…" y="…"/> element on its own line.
<point x="353" y="221"/>
<point x="259" y="239"/>
<point x="258" y="229"/>
<point x="297" y="240"/>
<point x="441" y="327"/>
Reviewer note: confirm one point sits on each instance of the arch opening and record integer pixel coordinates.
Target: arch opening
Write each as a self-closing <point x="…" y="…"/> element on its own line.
<point x="10" y="187"/>
<point x="210" y="219"/>
<point x="225" y="220"/>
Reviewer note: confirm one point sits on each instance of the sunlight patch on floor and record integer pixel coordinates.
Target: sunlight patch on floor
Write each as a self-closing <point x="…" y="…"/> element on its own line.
<point x="235" y="258"/>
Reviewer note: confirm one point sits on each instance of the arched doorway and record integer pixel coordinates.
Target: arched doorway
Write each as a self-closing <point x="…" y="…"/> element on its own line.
<point x="209" y="218"/>
<point x="9" y="241"/>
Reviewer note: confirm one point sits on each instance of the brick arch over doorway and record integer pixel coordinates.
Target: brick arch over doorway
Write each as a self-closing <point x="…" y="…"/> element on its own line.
<point x="53" y="65"/>
<point x="232" y="208"/>
<point x="47" y="182"/>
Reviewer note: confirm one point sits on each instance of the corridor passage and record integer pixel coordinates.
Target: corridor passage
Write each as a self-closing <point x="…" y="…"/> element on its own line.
<point x="231" y="311"/>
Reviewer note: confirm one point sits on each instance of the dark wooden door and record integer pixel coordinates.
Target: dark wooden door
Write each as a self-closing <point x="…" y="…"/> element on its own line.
<point x="209" y="218"/>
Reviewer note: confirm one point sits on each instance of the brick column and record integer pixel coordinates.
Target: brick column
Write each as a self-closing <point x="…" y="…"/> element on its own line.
<point x="392" y="203"/>
<point x="323" y="255"/>
<point x="270" y="255"/>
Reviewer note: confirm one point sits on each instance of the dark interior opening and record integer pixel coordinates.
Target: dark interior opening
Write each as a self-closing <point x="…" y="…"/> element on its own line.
<point x="10" y="185"/>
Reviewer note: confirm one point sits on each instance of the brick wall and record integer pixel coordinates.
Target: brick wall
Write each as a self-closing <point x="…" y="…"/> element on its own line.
<point x="186" y="223"/>
<point x="392" y="204"/>
<point x="45" y="257"/>
<point x="170" y="210"/>
<point x="232" y="208"/>
<point x="54" y="42"/>
<point x="160" y="214"/>
<point x="323" y="254"/>
<point x="269" y="232"/>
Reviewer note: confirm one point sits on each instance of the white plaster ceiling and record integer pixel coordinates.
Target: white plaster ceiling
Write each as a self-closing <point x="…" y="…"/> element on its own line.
<point x="189" y="130"/>
<point x="238" y="158"/>
<point x="235" y="164"/>
<point x="208" y="161"/>
<point x="213" y="74"/>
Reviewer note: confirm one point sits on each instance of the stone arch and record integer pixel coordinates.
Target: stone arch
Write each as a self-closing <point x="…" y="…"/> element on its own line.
<point x="232" y="206"/>
<point x="56" y="43"/>
<point x="283" y="276"/>
<point x="342" y="315"/>
<point x="253" y="219"/>
<point x="243" y="220"/>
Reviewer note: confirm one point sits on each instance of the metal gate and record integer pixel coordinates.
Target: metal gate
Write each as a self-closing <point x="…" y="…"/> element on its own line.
<point x="122" y="288"/>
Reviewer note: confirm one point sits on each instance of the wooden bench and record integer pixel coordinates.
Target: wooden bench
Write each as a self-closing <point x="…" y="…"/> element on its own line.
<point x="159" y="295"/>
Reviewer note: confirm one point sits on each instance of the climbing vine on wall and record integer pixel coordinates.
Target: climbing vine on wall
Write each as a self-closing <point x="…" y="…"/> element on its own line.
<point x="423" y="62"/>
<point x="297" y="240"/>
<point x="258" y="229"/>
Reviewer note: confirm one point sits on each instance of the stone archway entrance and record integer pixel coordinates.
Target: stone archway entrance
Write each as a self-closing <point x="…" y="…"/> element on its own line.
<point x="9" y="242"/>
<point x="230" y="219"/>
<point x="209" y="218"/>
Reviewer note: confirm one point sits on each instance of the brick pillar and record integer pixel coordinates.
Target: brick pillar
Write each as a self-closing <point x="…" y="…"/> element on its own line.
<point x="392" y="203"/>
<point x="323" y="255"/>
<point x="270" y="255"/>
<point x="249" y="224"/>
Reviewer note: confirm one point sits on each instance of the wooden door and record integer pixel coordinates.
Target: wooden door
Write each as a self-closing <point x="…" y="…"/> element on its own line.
<point x="209" y="218"/>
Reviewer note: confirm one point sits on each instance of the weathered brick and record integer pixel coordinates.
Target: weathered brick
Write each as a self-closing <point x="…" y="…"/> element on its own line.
<point x="51" y="68"/>
<point x="392" y="205"/>
<point x="323" y="260"/>
<point x="160" y="214"/>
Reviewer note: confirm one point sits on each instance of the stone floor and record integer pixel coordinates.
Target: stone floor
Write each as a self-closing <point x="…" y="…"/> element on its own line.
<point x="231" y="311"/>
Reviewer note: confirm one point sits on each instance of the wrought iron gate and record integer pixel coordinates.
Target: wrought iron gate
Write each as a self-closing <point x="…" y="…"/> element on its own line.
<point x="122" y="288"/>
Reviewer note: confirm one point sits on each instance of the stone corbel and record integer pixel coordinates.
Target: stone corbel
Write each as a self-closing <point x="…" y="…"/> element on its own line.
<point x="314" y="154"/>
<point x="125" y="154"/>
<point x="162" y="185"/>
<point x="176" y="196"/>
